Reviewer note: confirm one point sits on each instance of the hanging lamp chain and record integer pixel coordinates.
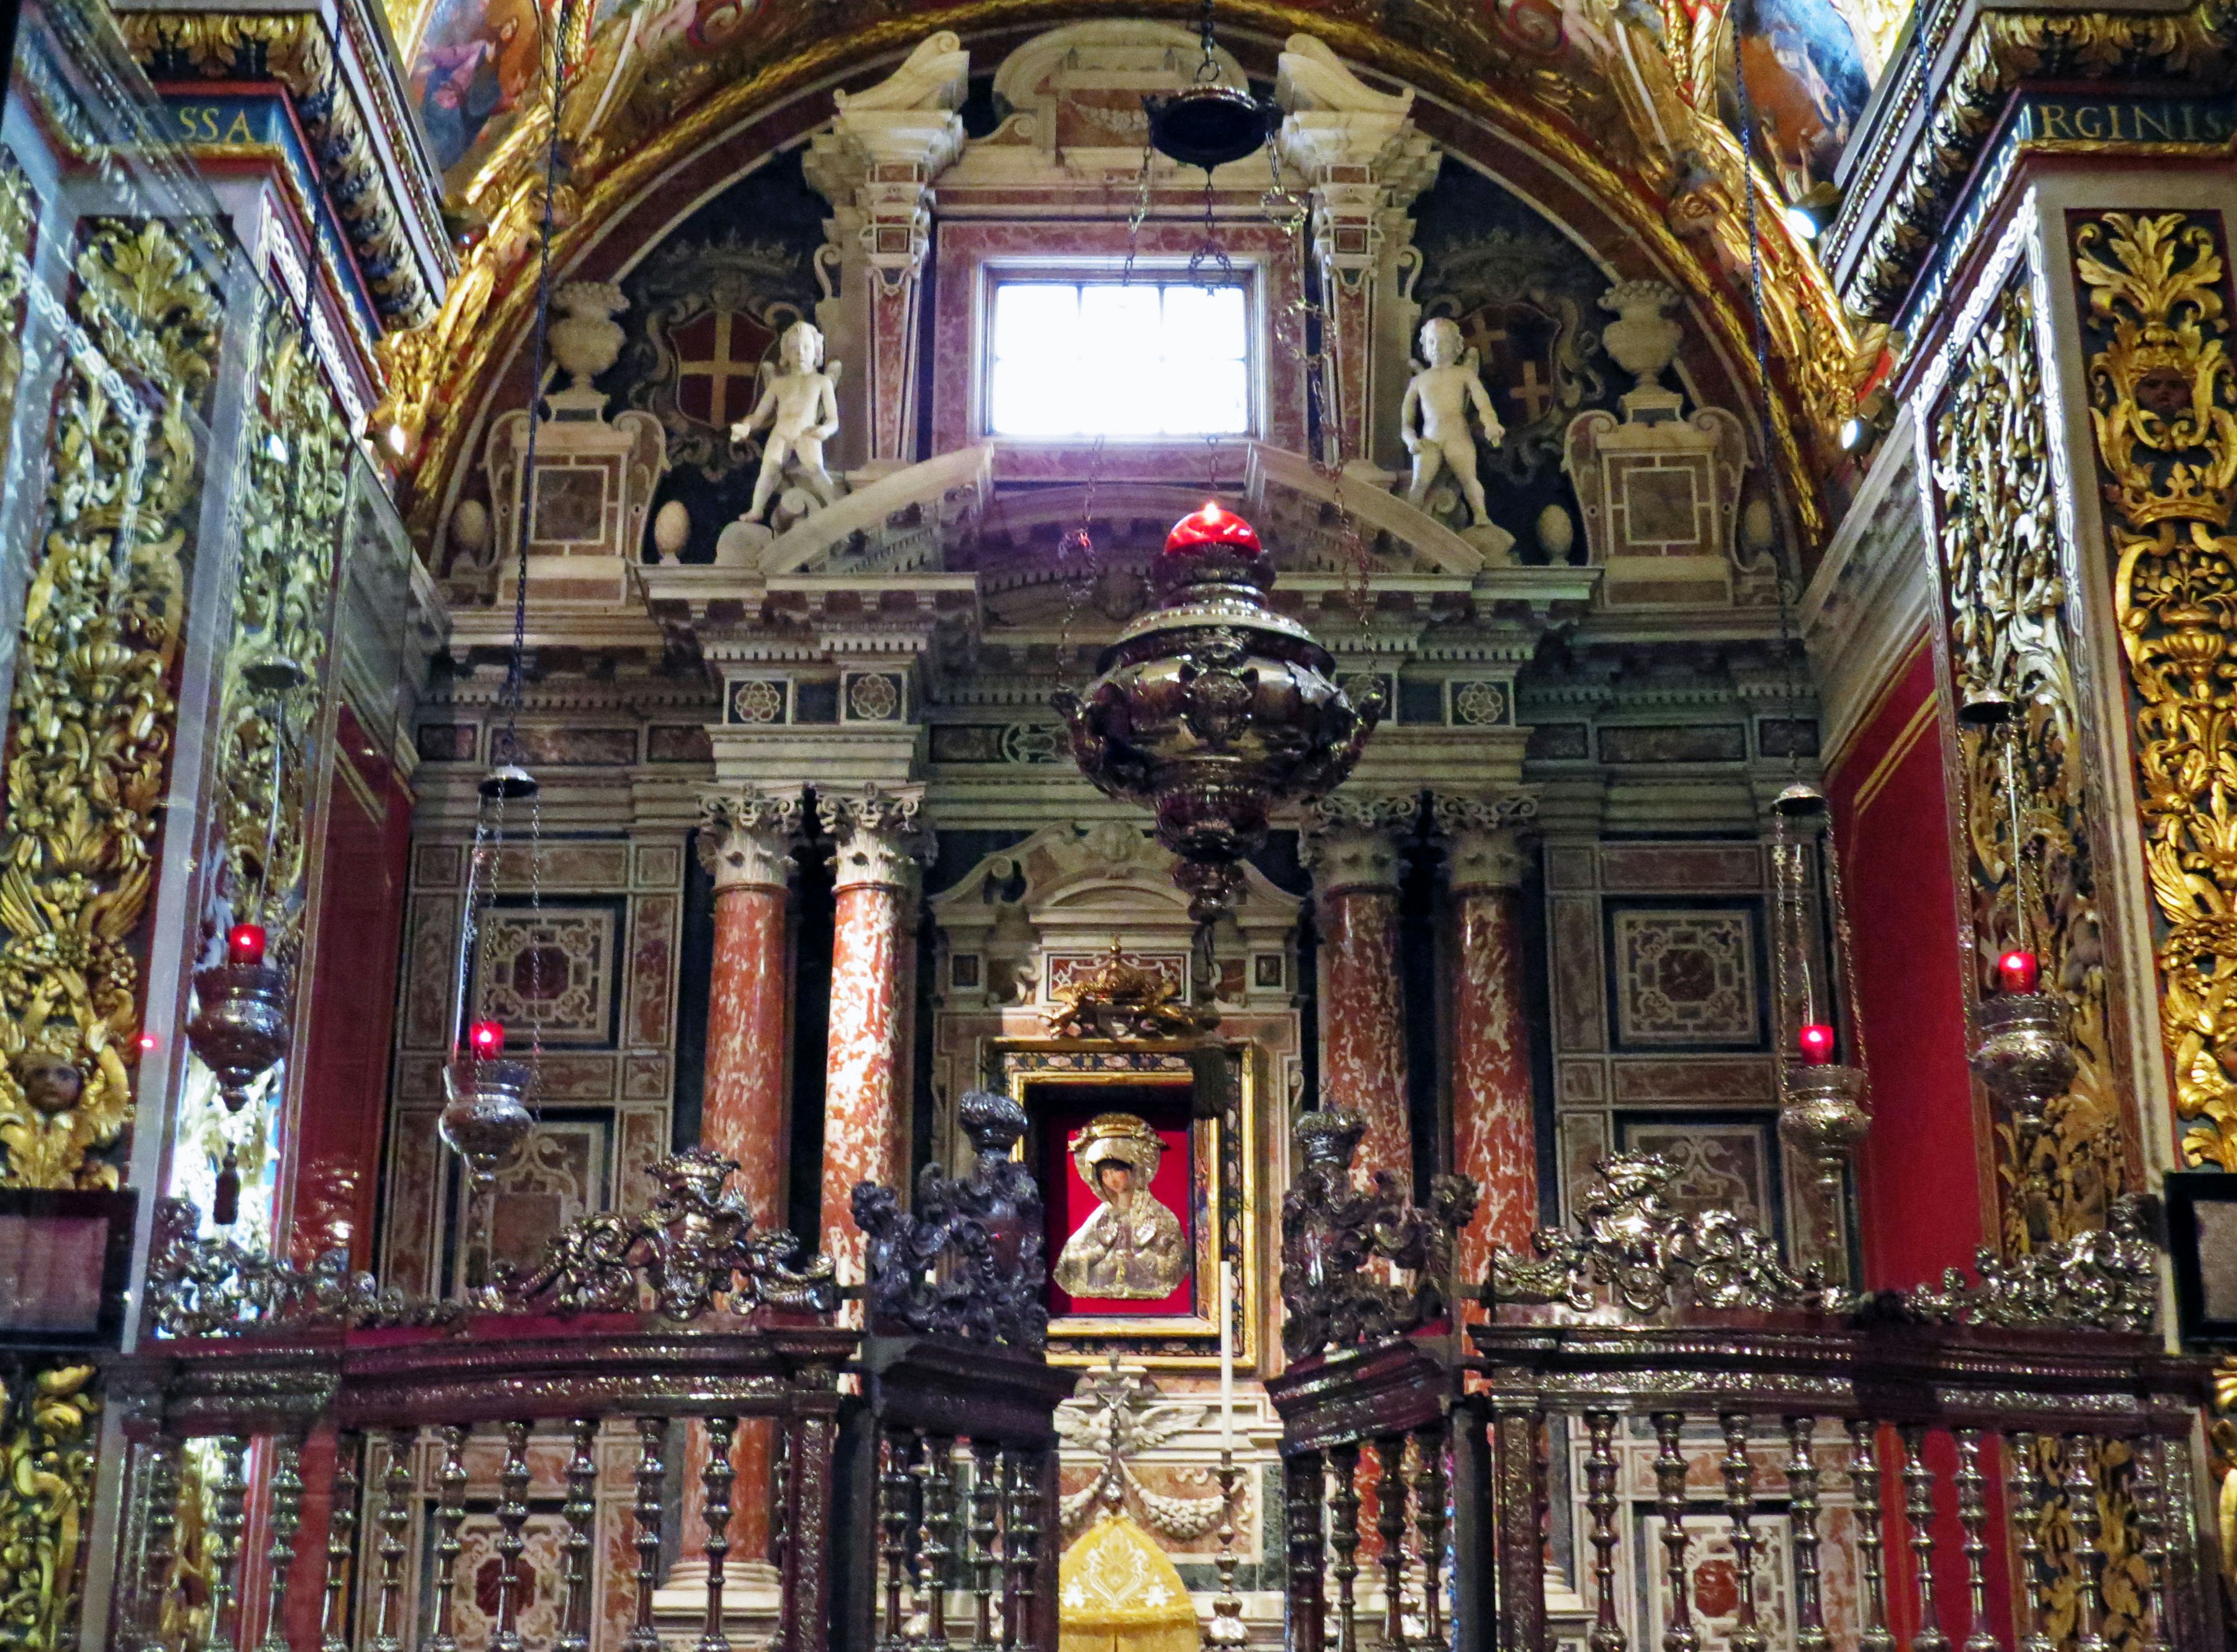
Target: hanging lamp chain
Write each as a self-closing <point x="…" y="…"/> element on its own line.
<point x="516" y="665"/>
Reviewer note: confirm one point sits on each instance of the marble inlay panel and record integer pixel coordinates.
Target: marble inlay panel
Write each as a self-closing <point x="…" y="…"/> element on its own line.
<point x="1684" y="976"/>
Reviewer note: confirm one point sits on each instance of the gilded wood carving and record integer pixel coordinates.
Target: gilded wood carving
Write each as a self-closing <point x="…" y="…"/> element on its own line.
<point x="46" y="1431"/>
<point x="91" y="727"/>
<point x="2164" y="408"/>
<point x="2006" y="596"/>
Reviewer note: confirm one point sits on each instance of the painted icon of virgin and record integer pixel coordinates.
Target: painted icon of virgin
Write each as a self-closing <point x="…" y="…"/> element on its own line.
<point x="1131" y="1246"/>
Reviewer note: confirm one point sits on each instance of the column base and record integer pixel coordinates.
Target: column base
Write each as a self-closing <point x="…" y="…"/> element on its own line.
<point x="752" y="1601"/>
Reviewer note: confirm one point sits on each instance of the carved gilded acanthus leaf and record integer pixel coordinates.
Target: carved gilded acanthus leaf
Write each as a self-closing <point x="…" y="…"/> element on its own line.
<point x="2006" y="596"/>
<point x="90" y="724"/>
<point x="47" y="1438"/>
<point x="2163" y="403"/>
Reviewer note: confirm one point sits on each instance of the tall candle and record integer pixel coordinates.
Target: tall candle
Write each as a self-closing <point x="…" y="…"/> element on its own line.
<point x="1226" y="1355"/>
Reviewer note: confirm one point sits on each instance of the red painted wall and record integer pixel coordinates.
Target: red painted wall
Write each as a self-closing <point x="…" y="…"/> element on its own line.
<point x="333" y="1166"/>
<point x="1919" y="1172"/>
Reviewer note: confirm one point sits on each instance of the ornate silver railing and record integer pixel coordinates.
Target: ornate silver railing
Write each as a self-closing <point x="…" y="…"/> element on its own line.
<point x="2007" y="1456"/>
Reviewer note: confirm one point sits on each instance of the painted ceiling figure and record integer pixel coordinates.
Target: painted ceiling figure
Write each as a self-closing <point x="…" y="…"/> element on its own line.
<point x="1131" y="1246"/>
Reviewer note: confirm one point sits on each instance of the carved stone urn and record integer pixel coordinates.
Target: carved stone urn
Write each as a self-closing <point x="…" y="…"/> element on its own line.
<point x="1643" y="340"/>
<point x="586" y="339"/>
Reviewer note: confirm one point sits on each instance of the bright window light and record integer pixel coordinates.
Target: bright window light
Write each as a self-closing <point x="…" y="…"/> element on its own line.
<point x="1144" y="358"/>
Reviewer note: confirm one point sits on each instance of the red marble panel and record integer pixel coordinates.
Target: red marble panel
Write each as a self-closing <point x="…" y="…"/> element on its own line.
<point x="430" y="967"/>
<point x="1744" y="1079"/>
<point x="573" y="1076"/>
<point x="1582" y="1081"/>
<point x="1690" y="867"/>
<point x="439" y="866"/>
<point x="1362" y="1021"/>
<point x="415" y="1177"/>
<point x="1579" y="1012"/>
<point x="652" y="953"/>
<point x="644" y="1078"/>
<point x="1571" y="868"/>
<point x="659" y="865"/>
<point x="644" y="1144"/>
<point x="1494" y="1126"/>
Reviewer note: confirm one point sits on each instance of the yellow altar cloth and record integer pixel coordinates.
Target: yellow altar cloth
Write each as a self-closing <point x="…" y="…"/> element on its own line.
<point x="1117" y="1592"/>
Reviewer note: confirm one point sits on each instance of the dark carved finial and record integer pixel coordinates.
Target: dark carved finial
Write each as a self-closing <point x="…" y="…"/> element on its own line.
<point x="1329" y="1137"/>
<point x="967" y="1261"/>
<point x="993" y="1120"/>
<point x="1332" y="1230"/>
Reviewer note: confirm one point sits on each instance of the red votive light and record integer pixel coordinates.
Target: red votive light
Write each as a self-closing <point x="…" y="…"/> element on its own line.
<point x="487" y="1038"/>
<point x="244" y="943"/>
<point x="1816" y="1042"/>
<point x="1211" y="526"/>
<point x="2018" y="971"/>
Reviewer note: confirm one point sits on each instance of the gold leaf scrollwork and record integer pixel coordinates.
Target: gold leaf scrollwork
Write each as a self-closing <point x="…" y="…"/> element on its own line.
<point x="90" y="724"/>
<point x="2163" y="402"/>
<point x="46" y="1493"/>
<point x="2007" y="596"/>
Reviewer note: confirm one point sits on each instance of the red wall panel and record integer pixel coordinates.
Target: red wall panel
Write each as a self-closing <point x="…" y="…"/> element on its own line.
<point x="1919" y="1172"/>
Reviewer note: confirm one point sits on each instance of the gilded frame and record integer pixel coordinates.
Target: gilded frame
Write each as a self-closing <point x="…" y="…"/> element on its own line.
<point x="1227" y="1184"/>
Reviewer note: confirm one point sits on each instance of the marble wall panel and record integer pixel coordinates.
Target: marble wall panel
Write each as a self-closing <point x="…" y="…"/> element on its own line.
<point x="1685" y="977"/>
<point x="430" y="957"/>
<point x="439" y="866"/>
<point x="1570" y="867"/>
<point x="564" y="864"/>
<point x="650" y="1011"/>
<point x="551" y="969"/>
<point x="1580" y="1016"/>
<point x="1711" y="1080"/>
<point x="1721" y="1164"/>
<point x="559" y="1176"/>
<point x="644" y="1078"/>
<point x="1651" y="868"/>
<point x="413" y="1195"/>
<point x="558" y="746"/>
<point x="1581" y="1081"/>
<point x="658" y="866"/>
<point x="644" y="1142"/>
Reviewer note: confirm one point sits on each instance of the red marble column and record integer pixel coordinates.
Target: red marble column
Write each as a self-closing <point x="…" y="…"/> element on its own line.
<point x="864" y="1108"/>
<point x="745" y="843"/>
<point x="1351" y="846"/>
<point x="1494" y="1125"/>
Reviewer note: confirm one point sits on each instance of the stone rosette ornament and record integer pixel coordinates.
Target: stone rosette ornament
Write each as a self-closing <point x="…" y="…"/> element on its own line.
<point x="1212" y="709"/>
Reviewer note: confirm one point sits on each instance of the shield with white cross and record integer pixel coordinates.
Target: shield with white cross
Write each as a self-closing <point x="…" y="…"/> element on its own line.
<point x="718" y="358"/>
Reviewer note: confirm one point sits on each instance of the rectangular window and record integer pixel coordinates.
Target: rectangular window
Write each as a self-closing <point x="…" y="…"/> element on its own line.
<point x="1145" y="358"/>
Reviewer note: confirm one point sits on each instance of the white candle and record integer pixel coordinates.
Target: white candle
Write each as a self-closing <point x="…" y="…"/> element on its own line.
<point x="1226" y="1355"/>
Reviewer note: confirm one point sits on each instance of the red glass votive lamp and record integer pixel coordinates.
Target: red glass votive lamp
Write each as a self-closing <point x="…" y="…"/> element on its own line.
<point x="244" y="944"/>
<point x="2018" y="971"/>
<point x="1816" y="1042"/>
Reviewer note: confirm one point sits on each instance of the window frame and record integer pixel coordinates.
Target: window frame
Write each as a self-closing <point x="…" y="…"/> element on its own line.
<point x="1102" y="269"/>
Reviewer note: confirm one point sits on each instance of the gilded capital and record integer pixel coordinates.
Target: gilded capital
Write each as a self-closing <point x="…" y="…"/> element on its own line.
<point x="746" y="838"/>
<point x="1357" y="842"/>
<point x="1483" y="841"/>
<point x="879" y="837"/>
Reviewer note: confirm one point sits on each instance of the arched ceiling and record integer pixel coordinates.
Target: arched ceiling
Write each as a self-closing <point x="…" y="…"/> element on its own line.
<point x="1610" y="102"/>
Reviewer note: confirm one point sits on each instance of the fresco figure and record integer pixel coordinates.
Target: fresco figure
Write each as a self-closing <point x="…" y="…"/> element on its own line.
<point x="478" y="61"/>
<point x="1806" y="79"/>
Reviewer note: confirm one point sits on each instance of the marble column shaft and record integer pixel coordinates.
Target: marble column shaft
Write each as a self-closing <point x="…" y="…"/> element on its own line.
<point x="1352" y="847"/>
<point x="745" y="842"/>
<point x="864" y="1133"/>
<point x="1494" y="1122"/>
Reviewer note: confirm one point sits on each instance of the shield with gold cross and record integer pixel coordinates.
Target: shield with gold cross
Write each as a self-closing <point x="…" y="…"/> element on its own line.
<point x="1520" y="342"/>
<point x="718" y="358"/>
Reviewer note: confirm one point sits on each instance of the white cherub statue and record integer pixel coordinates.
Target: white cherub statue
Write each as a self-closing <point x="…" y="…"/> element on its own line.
<point x="1444" y="392"/>
<point x="801" y="406"/>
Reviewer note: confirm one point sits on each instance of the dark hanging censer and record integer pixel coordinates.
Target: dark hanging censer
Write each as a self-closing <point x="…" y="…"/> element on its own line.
<point x="1212" y="709"/>
<point x="1208" y="124"/>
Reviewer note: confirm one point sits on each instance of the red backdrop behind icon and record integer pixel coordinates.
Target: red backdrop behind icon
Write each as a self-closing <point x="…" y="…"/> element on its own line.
<point x="1059" y="1111"/>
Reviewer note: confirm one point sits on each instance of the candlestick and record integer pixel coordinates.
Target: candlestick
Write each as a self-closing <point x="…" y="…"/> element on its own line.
<point x="1226" y="1355"/>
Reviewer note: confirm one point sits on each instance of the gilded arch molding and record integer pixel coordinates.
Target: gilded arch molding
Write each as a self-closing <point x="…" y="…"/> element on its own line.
<point x="1689" y="223"/>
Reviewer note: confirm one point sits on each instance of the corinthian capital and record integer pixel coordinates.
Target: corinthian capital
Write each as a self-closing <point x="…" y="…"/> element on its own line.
<point x="879" y="838"/>
<point x="746" y="838"/>
<point x="1483" y="841"/>
<point x="1356" y="843"/>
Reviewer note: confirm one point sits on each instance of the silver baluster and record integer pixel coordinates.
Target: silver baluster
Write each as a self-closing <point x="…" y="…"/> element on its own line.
<point x="1739" y="1471"/>
<point x="1972" y="1517"/>
<point x="2024" y="1494"/>
<point x="2082" y="1510"/>
<point x="282" y="1524"/>
<point x="1679" y="1634"/>
<point x="1864" y="1483"/>
<point x="1918" y="1510"/>
<point x="581" y="1514"/>
<point x="341" y="1541"/>
<point x="1802" y="1495"/>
